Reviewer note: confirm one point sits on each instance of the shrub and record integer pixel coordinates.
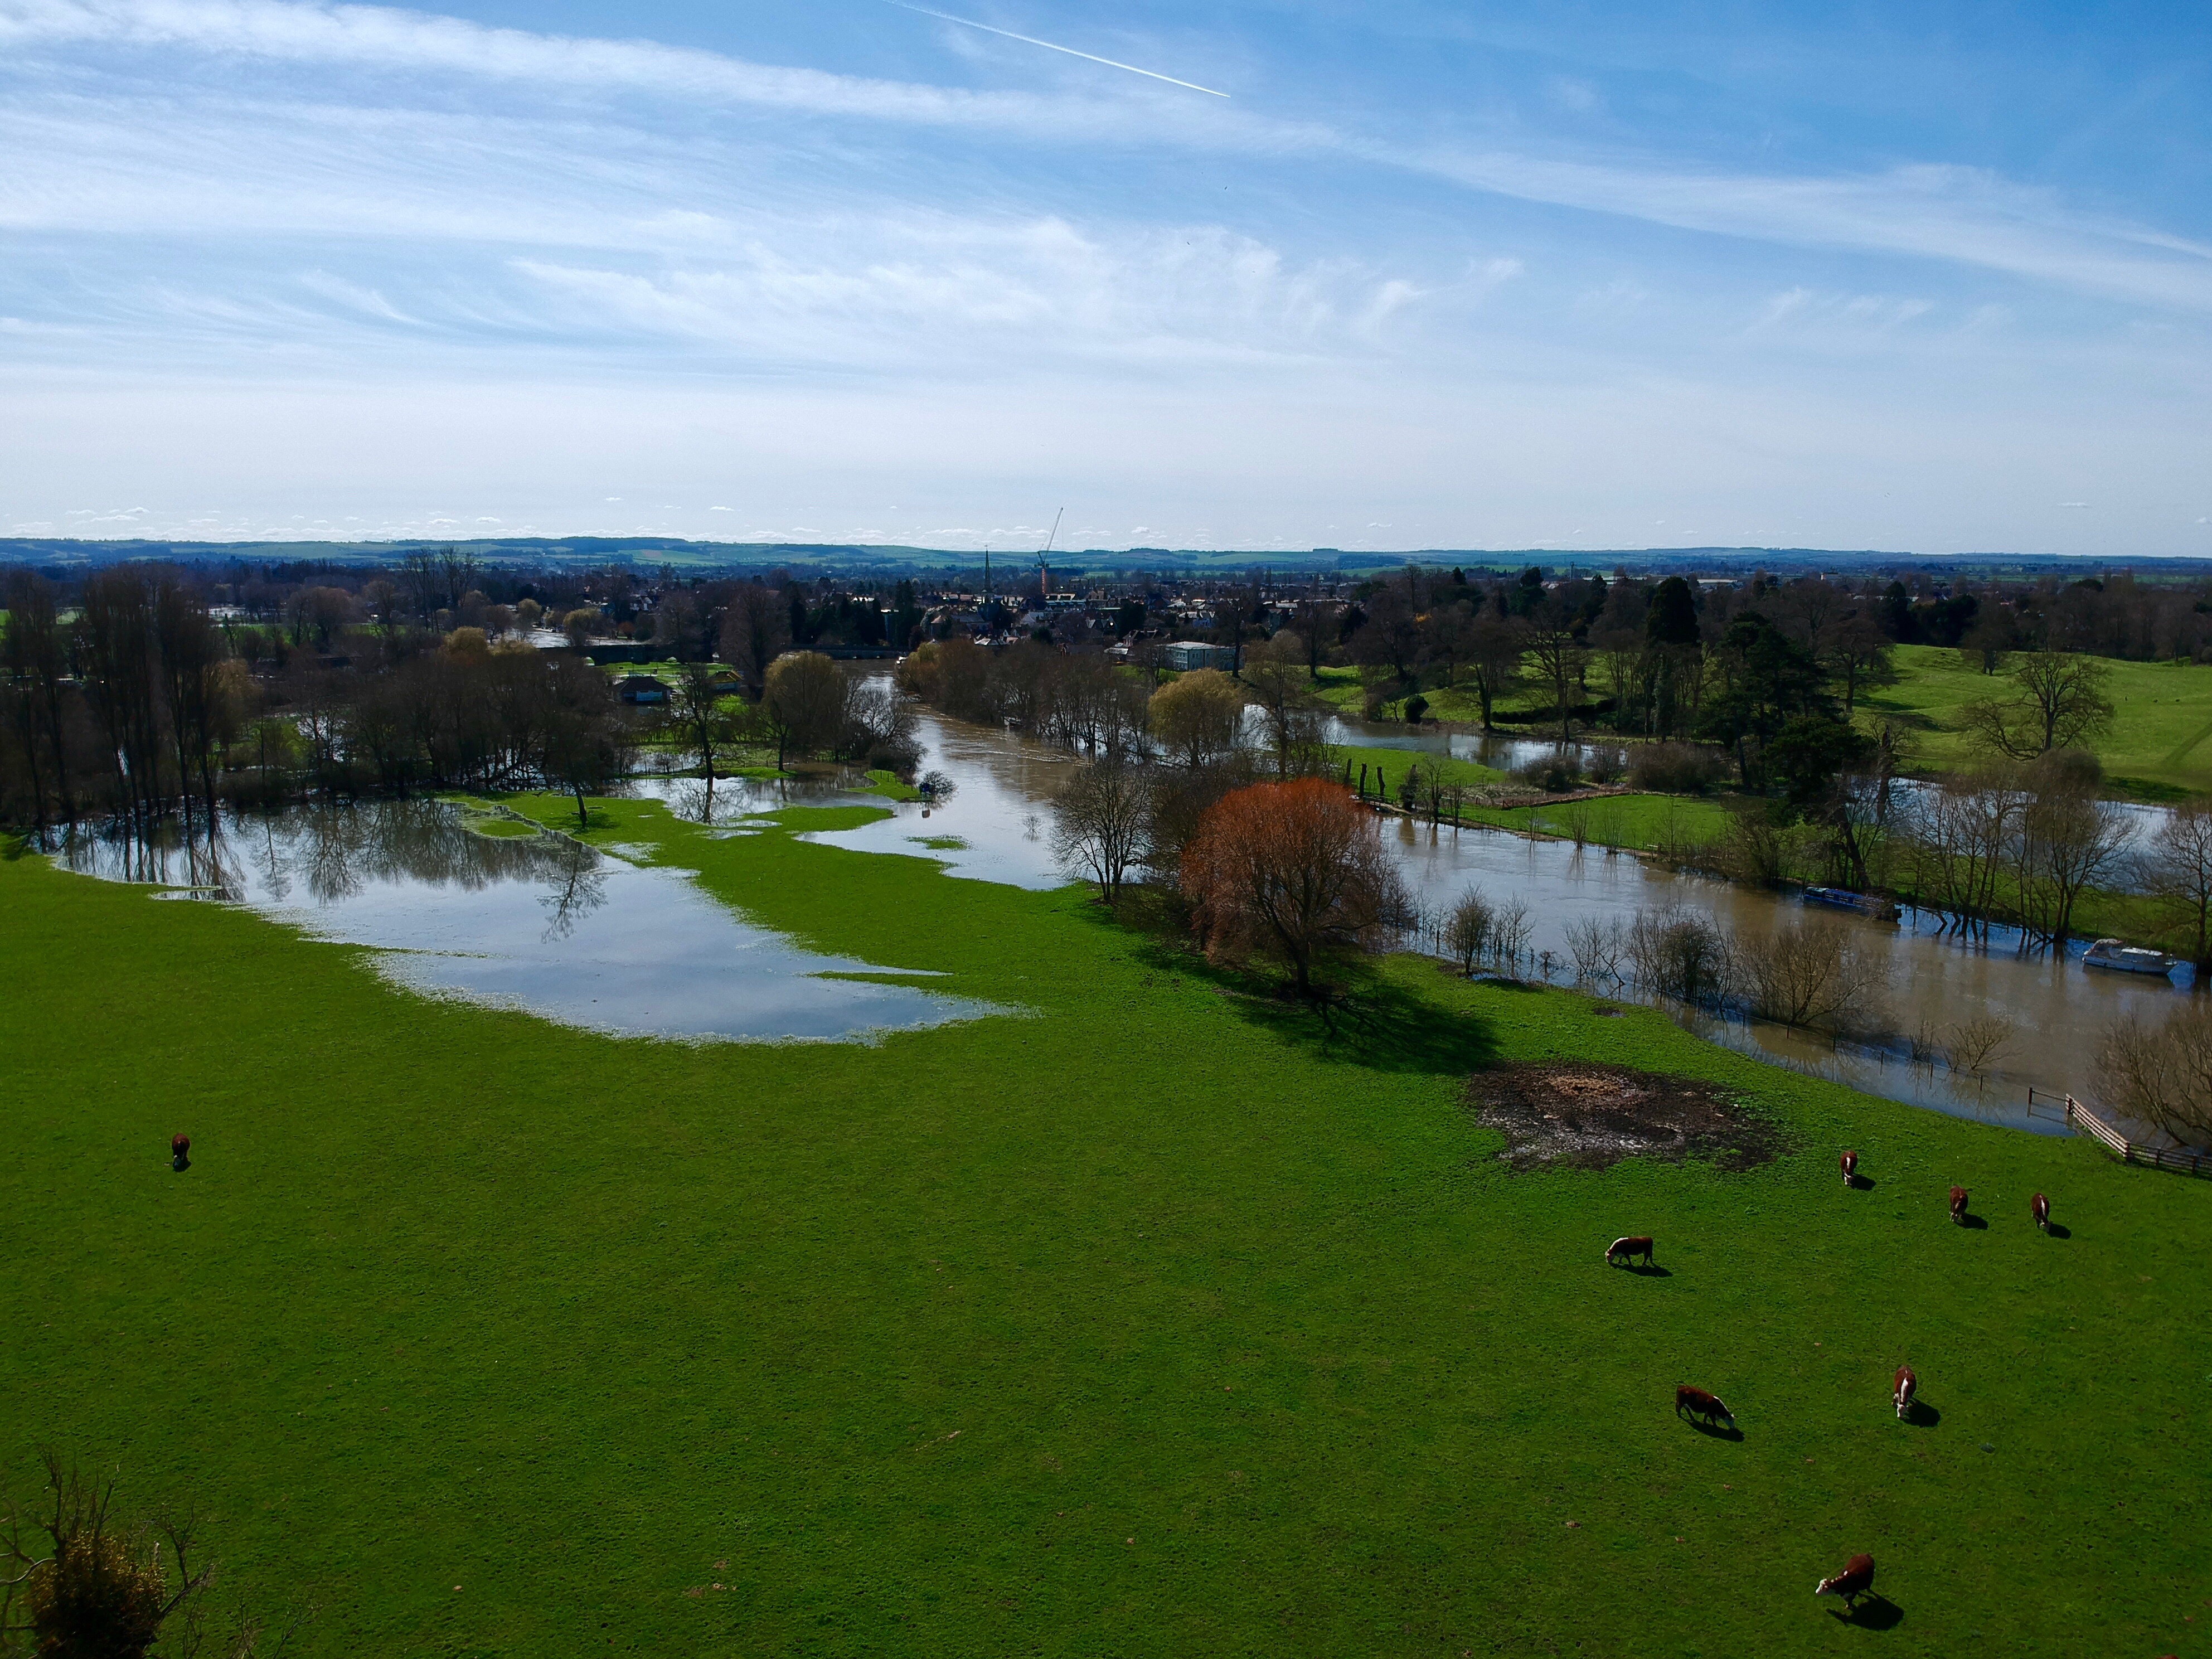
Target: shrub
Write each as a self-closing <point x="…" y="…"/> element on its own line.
<point x="1416" y="705"/>
<point x="1676" y="768"/>
<point x="1553" y="774"/>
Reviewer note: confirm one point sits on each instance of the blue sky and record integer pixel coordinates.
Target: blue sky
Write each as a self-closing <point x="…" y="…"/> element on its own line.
<point x="1903" y="277"/>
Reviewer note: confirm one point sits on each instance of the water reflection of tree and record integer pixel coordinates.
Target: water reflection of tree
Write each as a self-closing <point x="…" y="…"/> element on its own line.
<point x="579" y="886"/>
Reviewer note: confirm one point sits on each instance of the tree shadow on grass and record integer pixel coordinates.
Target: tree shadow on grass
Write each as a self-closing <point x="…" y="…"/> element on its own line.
<point x="1363" y="1018"/>
<point x="1357" y="1016"/>
<point x="1873" y="1613"/>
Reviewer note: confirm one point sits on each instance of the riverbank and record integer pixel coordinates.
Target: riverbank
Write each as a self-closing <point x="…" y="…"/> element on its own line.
<point x="1165" y="1316"/>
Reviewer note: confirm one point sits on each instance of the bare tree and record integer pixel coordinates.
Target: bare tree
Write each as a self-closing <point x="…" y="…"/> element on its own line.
<point x="1557" y="652"/>
<point x="2178" y="869"/>
<point x="698" y="708"/>
<point x="1813" y="971"/>
<point x="2061" y="702"/>
<point x="1466" y="931"/>
<point x="803" y="699"/>
<point x="2069" y="839"/>
<point x="585" y="743"/>
<point x="2161" y="1075"/>
<point x="1276" y="674"/>
<point x="1102" y="822"/>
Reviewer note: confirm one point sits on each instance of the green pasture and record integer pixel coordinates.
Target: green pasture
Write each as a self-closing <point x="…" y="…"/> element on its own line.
<point x="1635" y="821"/>
<point x="2160" y="746"/>
<point x="1394" y="763"/>
<point x="1160" y="1317"/>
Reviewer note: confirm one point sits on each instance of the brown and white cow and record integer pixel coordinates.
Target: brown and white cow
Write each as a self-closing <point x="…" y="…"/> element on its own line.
<point x="1849" y="1163"/>
<point x="1625" y="1249"/>
<point x="1959" y="1204"/>
<point x="1854" y="1581"/>
<point x="1904" y="1385"/>
<point x="1696" y="1402"/>
<point x="2040" y="1207"/>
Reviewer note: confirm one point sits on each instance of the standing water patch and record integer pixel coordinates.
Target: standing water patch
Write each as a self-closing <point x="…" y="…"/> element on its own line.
<point x="534" y="921"/>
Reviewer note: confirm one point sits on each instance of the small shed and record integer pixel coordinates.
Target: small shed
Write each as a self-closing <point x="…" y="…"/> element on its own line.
<point x="640" y="688"/>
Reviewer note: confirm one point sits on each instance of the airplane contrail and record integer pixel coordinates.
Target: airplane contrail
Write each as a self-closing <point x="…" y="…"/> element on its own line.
<point x="1031" y="40"/>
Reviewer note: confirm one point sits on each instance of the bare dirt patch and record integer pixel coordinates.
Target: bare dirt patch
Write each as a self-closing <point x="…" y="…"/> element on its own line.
<point x="1579" y="1114"/>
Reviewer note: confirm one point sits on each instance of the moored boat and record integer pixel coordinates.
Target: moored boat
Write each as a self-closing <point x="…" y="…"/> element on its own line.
<point x="1864" y="904"/>
<point x="2129" y="959"/>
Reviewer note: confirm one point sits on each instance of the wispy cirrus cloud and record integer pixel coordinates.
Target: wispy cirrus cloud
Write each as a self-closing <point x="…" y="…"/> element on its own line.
<point x="1955" y="214"/>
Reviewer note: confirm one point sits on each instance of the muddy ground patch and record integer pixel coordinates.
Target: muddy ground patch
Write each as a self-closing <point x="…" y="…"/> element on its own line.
<point x="1584" y="1115"/>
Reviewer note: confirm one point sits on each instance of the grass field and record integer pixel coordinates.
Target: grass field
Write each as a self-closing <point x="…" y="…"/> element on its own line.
<point x="2160" y="742"/>
<point x="1637" y="821"/>
<point x="1160" y="1321"/>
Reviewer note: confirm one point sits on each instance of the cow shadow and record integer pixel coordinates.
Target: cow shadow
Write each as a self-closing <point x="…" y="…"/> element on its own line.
<point x="1860" y="1183"/>
<point x="1654" y="1271"/>
<point x="1873" y="1613"/>
<point x="1971" y="1220"/>
<point x="2054" y="1231"/>
<point x="1921" y="1415"/>
<point x="1715" y="1430"/>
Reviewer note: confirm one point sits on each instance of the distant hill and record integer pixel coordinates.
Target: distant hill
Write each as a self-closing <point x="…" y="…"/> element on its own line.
<point x="691" y="558"/>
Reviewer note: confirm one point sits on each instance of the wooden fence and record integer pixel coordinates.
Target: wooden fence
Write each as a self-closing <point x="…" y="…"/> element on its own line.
<point x="2079" y="1116"/>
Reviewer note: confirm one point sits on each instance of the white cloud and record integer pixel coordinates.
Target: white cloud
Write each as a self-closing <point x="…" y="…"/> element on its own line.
<point x="1959" y="215"/>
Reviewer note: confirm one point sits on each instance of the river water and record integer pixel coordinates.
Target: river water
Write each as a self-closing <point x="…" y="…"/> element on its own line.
<point x="2056" y="1010"/>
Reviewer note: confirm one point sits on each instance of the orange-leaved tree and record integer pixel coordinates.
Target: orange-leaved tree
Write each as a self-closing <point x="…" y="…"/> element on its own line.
<point x="1294" y="869"/>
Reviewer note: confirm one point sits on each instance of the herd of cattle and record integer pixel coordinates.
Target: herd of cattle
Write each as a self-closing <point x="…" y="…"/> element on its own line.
<point x="1857" y="1578"/>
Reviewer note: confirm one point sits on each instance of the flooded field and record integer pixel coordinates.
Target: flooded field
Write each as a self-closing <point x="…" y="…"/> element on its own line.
<point x="529" y="920"/>
<point x="2053" y="1010"/>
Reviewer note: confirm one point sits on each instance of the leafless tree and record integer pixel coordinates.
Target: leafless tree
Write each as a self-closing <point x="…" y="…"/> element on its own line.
<point x="1597" y="947"/>
<point x="2177" y="869"/>
<point x="1816" y="971"/>
<point x="699" y="710"/>
<point x="1466" y="933"/>
<point x="2060" y="703"/>
<point x="1102" y="822"/>
<point x="2163" y="1074"/>
<point x="1971" y="1045"/>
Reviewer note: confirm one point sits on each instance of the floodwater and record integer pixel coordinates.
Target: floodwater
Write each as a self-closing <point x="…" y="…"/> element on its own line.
<point x="2056" y="1010"/>
<point x="535" y="921"/>
<point x="995" y="824"/>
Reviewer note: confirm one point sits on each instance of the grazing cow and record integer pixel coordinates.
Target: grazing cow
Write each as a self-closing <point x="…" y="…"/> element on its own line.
<point x="1696" y="1402"/>
<point x="1959" y="1204"/>
<point x="2040" y="1207"/>
<point x="1854" y="1581"/>
<point x="1625" y="1249"/>
<point x="179" y="1146"/>
<point x="1850" y="1164"/>
<point x="1904" y="1384"/>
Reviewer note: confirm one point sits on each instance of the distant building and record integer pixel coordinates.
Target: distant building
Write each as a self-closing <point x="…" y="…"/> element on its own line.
<point x="640" y="688"/>
<point x="1182" y="655"/>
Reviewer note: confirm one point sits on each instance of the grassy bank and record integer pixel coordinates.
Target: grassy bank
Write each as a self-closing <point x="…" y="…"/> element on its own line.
<point x="2160" y="746"/>
<point x="1163" y="1320"/>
